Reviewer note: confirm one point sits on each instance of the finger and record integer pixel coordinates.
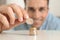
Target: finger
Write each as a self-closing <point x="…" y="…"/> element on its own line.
<point x="4" y="21"/>
<point x="16" y="23"/>
<point x="4" y="9"/>
<point x="11" y="15"/>
<point x="18" y="12"/>
<point x="25" y="14"/>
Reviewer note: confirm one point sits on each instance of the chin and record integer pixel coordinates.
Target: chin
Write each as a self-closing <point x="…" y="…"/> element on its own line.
<point x="37" y="24"/>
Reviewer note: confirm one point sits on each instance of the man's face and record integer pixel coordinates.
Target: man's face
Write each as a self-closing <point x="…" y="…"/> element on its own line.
<point x="37" y="10"/>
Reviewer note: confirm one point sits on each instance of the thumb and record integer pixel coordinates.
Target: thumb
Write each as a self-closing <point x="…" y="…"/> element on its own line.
<point x="16" y="23"/>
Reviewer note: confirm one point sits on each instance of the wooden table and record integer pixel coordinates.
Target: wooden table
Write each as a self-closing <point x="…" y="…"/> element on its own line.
<point x="24" y="35"/>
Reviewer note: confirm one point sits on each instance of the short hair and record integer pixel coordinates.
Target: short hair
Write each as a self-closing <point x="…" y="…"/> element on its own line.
<point x="47" y="2"/>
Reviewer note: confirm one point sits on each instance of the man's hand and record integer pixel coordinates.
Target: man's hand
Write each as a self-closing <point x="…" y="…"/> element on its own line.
<point x="11" y="15"/>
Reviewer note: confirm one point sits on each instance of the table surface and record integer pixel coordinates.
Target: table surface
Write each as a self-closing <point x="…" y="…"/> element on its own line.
<point x="24" y="35"/>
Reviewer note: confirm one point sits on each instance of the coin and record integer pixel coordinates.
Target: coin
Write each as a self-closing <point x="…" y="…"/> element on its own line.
<point x="29" y="21"/>
<point x="33" y="31"/>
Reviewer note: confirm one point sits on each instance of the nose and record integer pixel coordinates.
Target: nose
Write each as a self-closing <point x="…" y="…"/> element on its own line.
<point x="37" y="14"/>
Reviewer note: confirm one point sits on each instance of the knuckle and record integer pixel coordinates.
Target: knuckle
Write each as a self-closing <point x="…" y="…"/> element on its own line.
<point x="8" y="8"/>
<point x="13" y="4"/>
<point x="3" y="17"/>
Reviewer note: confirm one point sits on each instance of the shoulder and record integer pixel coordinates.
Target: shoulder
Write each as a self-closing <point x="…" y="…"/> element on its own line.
<point x="53" y="22"/>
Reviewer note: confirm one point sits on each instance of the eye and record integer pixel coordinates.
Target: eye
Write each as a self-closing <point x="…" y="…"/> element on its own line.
<point x="41" y="9"/>
<point x="31" y="9"/>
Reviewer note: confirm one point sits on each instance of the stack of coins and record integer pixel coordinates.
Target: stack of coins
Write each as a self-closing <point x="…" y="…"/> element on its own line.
<point x="33" y="31"/>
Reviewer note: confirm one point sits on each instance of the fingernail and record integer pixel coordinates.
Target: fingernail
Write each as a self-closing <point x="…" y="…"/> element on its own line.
<point x="27" y="16"/>
<point x="21" y="19"/>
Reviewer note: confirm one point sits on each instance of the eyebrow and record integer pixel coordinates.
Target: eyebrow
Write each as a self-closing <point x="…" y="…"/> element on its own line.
<point x="30" y="7"/>
<point x="41" y="7"/>
<point x="33" y="7"/>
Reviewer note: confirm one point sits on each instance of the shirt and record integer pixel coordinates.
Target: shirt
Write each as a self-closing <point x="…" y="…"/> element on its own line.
<point x="51" y="23"/>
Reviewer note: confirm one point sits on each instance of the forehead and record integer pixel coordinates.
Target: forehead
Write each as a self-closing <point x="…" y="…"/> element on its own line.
<point x="36" y="3"/>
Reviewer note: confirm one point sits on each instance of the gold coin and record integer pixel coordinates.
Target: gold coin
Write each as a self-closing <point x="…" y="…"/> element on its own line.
<point x="29" y="21"/>
<point x="33" y="31"/>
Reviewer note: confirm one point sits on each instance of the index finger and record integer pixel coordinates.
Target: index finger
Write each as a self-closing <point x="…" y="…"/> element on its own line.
<point x="25" y="14"/>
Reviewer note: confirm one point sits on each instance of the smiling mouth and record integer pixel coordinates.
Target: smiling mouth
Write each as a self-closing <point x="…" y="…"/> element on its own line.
<point x="38" y="22"/>
<point x="38" y="19"/>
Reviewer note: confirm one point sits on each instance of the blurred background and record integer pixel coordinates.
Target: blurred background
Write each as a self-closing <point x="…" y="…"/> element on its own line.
<point x="54" y="5"/>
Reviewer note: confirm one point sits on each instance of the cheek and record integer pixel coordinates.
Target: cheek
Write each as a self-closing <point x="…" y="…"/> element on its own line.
<point x="45" y="15"/>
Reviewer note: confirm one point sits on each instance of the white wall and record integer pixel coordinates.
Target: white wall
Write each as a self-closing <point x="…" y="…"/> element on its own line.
<point x="19" y="2"/>
<point x="54" y="5"/>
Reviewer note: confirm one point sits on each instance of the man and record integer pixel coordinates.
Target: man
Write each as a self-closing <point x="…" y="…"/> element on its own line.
<point x="35" y="9"/>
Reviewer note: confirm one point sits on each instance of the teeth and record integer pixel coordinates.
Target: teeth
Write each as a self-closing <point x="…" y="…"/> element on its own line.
<point x="29" y="21"/>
